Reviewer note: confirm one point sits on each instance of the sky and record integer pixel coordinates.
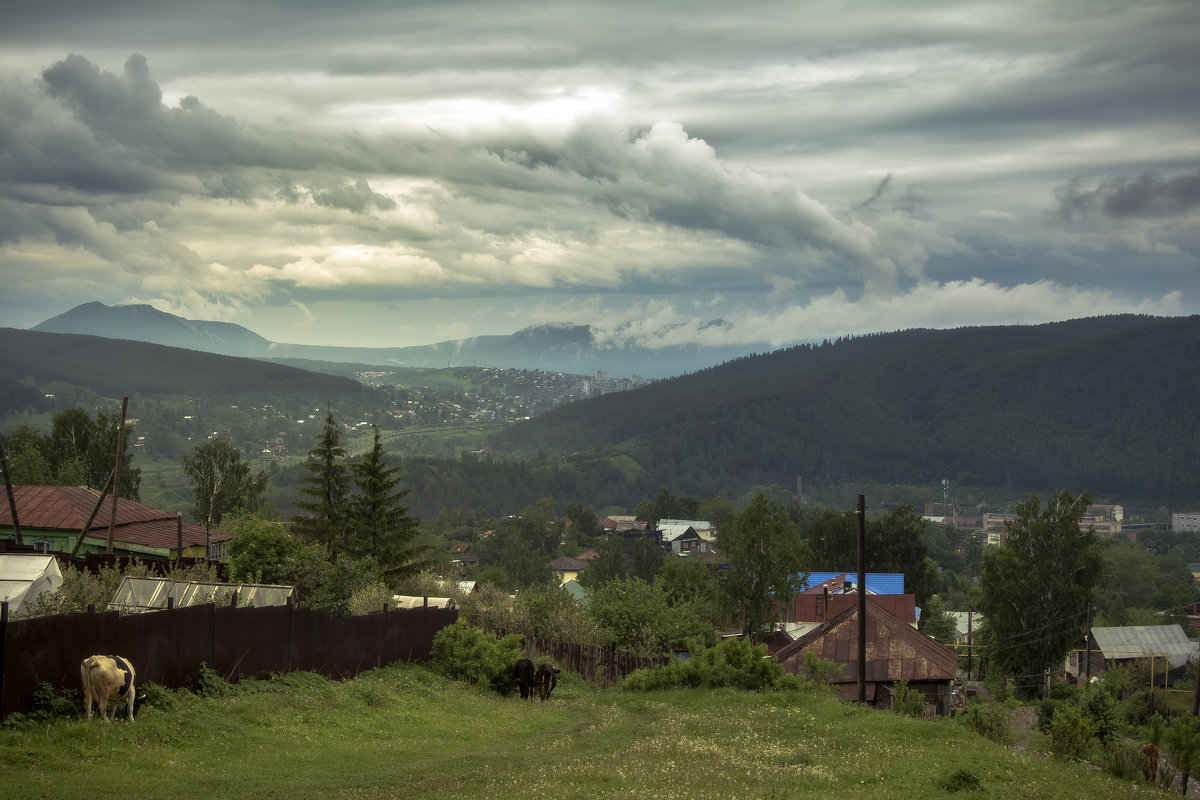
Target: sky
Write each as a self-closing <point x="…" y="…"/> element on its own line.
<point x="402" y="173"/>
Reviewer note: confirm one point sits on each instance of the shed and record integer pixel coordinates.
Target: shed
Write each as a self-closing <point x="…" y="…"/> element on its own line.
<point x="1165" y="648"/>
<point x="24" y="577"/>
<point x="895" y="651"/>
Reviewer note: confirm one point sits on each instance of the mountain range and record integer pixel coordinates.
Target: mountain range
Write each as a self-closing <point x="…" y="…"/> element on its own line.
<point x="563" y="347"/>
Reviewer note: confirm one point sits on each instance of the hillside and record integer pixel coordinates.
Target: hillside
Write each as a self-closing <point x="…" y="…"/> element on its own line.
<point x="1106" y="404"/>
<point x="402" y="731"/>
<point x="117" y="368"/>
<point x="577" y="349"/>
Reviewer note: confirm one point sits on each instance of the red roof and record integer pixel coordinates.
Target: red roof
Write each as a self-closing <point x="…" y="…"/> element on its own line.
<point x="66" y="508"/>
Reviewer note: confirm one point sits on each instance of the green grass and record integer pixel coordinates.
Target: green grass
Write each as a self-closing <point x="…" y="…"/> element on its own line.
<point x="402" y="732"/>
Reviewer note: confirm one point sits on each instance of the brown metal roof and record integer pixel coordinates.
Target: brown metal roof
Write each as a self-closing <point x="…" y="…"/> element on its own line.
<point x="66" y="508"/>
<point x="895" y="649"/>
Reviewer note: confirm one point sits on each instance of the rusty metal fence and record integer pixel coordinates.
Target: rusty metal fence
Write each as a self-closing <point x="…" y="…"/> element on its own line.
<point x="168" y="647"/>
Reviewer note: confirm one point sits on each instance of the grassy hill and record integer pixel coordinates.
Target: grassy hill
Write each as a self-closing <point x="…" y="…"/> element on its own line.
<point x="402" y="732"/>
<point x="1107" y="404"/>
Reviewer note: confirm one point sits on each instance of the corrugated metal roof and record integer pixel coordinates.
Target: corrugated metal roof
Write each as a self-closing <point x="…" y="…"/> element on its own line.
<point x="1144" y="640"/>
<point x="67" y="508"/>
<point x="877" y="582"/>
<point x="895" y="650"/>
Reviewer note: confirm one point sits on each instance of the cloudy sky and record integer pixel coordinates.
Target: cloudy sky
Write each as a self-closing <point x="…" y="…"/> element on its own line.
<point x="400" y="173"/>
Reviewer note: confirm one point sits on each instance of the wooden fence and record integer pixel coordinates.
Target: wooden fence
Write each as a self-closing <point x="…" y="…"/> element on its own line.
<point x="168" y="647"/>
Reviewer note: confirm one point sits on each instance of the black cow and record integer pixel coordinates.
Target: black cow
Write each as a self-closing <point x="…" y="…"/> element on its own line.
<point x="523" y="675"/>
<point x="546" y="679"/>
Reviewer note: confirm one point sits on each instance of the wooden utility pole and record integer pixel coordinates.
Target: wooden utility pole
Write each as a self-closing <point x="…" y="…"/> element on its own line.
<point x="862" y="598"/>
<point x="87" y="526"/>
<point x="970" y="640"/>
<point x="116" y="482"/>
<point x="1087" y="648"/>
<point x="12" y="501"/>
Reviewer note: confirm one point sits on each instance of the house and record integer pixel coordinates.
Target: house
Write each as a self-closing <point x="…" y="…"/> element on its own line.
<point x="895" y="651"/>
<point x="51" y="518"/>
<point x="567" y="568"/>
<point x="683" y="541"/>
<point x="23" y="578"/>
<point x="1164" y="650"/>
<point x="702" y="527"/>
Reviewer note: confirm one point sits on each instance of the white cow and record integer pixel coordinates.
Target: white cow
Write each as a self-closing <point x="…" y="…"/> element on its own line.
<point x="107" y="679"/>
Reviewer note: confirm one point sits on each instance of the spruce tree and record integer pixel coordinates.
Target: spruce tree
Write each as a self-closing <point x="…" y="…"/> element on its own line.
<point x="325" y="493"/>
<point x="380" y="524"/>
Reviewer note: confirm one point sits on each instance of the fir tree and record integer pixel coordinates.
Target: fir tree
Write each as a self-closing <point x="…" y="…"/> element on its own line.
<point x="325" y="493"/>
<point x="380" y="525"/>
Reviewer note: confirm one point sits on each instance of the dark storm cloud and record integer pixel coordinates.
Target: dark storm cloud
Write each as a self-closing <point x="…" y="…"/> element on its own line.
<point x="1122" y="197"/>
<point x="356" y="197"/>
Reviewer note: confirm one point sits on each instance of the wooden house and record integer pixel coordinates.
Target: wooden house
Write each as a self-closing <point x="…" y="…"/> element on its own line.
<point x="895" y="651"/>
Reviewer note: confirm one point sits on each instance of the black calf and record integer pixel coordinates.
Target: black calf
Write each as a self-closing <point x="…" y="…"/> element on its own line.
<point x="546" y="679"/>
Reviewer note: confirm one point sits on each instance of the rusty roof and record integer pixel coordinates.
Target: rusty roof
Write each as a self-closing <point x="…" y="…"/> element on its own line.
<point x="66" y="508"/>
<point x="895" y="649"/>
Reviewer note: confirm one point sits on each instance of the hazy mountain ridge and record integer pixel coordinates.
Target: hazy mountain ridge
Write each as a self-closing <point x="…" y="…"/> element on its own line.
<point x="124" y="367"/>
<point x="554" y="347"/>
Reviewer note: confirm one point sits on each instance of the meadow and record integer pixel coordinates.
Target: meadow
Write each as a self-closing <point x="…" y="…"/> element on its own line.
<point x="406" y="732"/>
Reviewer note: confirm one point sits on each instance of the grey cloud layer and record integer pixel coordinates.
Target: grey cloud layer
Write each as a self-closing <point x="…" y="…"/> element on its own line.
<point x="784" y="168"/>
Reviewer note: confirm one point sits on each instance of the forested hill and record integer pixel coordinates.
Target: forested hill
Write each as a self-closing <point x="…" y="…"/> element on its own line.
<point x="1109" y="404"/>
<point x="120" y="368"/>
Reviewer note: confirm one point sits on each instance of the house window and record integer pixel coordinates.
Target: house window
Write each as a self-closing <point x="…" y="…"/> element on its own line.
<point x="42" y="545"/>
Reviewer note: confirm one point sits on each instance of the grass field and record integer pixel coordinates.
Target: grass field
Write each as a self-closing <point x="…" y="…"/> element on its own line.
<point x="404" y="732"/>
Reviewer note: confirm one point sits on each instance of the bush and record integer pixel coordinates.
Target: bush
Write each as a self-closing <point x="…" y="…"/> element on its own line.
<point x="370" y="599"/>
<point x="909" y="702"/>
<point x="961" y="780"/>
<point x="991" y="720"/>
<point x="732" y="663"/>
<point x="466" y="653"/>
<point x="1122" y="759"/>
<point x="1100" y="708"/>
<point x="211" y="684"/>
<point x="1071" y="732"/>
<point x="46" y="705"/>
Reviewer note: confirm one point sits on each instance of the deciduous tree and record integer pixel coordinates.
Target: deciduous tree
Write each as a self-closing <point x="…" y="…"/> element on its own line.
<point x="1035" y="588"/>
<point x="222" y="482"/>
<point x="768" y="563"/>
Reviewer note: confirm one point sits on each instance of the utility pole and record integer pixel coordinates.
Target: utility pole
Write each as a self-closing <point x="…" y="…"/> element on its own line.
<point x="116" y="473"/>
<point x="862" y="599"/>
<point x="8" y="487"/>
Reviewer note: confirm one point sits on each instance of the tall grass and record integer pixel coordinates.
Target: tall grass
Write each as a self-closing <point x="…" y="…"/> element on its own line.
<point x="404" y="732"/>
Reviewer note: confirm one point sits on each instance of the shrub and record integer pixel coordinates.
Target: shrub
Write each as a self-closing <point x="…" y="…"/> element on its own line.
<point x="732" y="663"/>
<point x="908" y="702"/>
<point x="992" y="720"/>
<point x="47" y="704"/>
<point x="1122" y="759"/>
<point x="369" y="599"/>
<point x="466" y="653"/>
<point x="1100" y="708"/>
<point x="961" y="780"/>
<point x="210" y="683"/>
<point x="1071" y="732"/>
